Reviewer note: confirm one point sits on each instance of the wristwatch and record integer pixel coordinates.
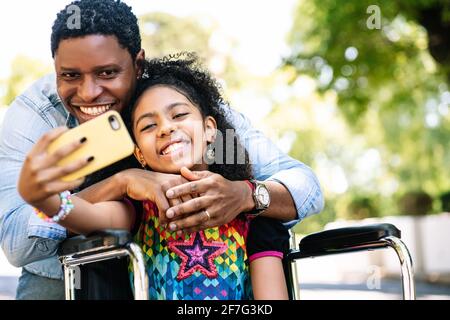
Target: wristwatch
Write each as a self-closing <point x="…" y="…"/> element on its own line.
<point x="261" y="197"/>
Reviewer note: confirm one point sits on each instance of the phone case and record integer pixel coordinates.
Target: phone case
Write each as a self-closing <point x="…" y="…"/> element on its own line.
<point x="105" y="144"/>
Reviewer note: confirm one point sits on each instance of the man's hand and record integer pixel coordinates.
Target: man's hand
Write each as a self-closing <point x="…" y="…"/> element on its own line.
<point x="144" y="185"/>
<point x="40" y="177"/>
<point x="221" y="198"/>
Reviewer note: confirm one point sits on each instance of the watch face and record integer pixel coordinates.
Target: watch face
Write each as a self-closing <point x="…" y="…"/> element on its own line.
<point x="263" y="196"/>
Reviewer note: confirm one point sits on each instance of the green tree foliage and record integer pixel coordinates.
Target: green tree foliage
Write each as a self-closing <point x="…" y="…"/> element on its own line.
<point x="445" y="201"/>
<point x="164" y="34"/>
<point x="331" y="41"/>
<point x="415" y="203"/>
<point x="391" y="85"/>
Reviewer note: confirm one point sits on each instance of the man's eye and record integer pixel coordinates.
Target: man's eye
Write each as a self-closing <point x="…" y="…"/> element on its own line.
<point x="107" y="73"/>
<point x="179" y="115"/>
<point x="69" y="75"/>
<point x="149" y="126"/>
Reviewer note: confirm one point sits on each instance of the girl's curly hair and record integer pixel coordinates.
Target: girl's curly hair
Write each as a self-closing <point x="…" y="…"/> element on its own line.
<point x="184" y="73"/>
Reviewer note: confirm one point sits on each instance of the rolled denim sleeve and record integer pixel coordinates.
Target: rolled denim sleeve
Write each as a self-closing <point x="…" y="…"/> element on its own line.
<point x="304" y="189"/>
<point x="270" y="163"/>
<point x="24" y="237"/>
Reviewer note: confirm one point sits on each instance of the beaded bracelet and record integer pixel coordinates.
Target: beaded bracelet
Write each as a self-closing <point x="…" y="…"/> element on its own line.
<point x="64" y="209"/>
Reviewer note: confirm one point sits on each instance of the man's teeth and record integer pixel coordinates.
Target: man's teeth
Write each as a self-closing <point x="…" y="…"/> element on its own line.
<point x="95" y="111"/>
<point x="173" y="147"/>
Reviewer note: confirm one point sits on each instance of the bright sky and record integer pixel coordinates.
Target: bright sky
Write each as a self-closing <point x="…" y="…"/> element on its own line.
<point x="259" y="26"/>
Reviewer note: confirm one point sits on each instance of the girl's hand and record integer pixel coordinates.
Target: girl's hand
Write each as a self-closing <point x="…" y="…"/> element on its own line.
<point x="149" y="185"/>
<point x="40" y="176"/>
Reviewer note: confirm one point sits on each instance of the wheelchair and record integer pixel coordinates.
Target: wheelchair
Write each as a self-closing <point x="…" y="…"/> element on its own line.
<point x="105" y="245"/>
<point x="112" y="244"/>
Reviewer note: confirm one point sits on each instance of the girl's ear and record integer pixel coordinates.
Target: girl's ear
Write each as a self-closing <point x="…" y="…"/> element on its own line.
<point x="139" y="156"/>
<point x="210" y="129"/>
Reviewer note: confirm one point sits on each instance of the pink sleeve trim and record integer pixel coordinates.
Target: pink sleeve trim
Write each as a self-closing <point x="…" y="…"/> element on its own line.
<point x="263" y="254"/>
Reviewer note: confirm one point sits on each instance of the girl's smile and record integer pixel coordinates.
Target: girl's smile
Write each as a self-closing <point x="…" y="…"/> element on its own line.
<point x="176" y="148"/>
<point x="170" y="130"/>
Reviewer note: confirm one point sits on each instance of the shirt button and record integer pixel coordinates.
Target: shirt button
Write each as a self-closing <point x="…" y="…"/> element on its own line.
<point x="42" y="246"/>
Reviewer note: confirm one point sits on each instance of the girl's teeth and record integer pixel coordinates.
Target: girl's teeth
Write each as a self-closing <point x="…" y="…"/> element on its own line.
<point x="172" y="148"/>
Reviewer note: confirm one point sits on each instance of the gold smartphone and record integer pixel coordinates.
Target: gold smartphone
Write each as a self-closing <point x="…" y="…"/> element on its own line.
<point x="108" y="141"/>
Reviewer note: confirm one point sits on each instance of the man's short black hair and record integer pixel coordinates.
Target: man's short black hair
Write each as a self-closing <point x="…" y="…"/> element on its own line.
<point x="102" y="17"/>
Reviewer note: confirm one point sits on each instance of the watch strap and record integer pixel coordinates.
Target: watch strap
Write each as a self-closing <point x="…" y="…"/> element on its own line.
<point x="255" y="212"/>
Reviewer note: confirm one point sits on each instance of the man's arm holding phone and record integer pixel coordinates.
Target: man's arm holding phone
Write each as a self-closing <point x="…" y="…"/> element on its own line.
<point x="40" y="183"/>
<point x="41" y="178"/>
<point x="25" y="238"/>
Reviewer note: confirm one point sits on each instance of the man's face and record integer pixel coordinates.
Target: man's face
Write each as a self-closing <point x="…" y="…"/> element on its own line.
<point x="94" y="75"/>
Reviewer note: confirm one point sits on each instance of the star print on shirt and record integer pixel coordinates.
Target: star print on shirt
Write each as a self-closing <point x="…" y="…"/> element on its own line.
<point x="197" y="254"/>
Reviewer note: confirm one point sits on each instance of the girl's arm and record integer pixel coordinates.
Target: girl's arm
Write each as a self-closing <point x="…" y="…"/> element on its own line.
<point x="268" y="280"/>
<point x="267" y="243"/>
<point x="85" y="217"/>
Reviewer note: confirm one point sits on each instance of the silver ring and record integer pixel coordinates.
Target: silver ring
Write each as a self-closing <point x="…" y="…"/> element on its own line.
<point x="207" y="213"/>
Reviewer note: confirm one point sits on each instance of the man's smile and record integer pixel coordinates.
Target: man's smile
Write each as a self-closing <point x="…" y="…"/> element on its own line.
<point x="89" y="111"/>
<point x="95" y="111"/>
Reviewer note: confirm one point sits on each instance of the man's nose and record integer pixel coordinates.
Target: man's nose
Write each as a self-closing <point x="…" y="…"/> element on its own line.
<point x="88" y="90"/>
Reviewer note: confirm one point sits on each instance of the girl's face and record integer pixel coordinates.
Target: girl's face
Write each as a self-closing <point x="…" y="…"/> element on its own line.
<point x="170" y="132"/>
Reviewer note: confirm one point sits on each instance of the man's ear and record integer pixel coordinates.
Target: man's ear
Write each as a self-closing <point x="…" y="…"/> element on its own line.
<point x="210" y="129"/>
<point x="139" y="62"/>
<point x="139" y="156"/>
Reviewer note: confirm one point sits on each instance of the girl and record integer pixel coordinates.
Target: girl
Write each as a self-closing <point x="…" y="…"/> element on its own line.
<point x="175" y="119"/>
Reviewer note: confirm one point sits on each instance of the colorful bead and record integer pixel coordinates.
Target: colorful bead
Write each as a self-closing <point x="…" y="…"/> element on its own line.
<point x="64" y="209"/>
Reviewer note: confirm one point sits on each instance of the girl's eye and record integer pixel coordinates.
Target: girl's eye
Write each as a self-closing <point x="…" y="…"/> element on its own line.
<point x="149" y="126"/>
<point x="179" y="115"/>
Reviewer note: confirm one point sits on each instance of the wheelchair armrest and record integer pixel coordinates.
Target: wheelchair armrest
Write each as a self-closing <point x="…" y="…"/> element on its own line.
<point x="97" y="240"/>
<point x="343" y="239"/>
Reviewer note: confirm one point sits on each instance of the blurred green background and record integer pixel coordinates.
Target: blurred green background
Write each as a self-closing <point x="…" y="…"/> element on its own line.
<point x="360" y="94"/>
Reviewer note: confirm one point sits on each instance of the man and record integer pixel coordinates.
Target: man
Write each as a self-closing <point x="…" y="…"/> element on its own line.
<point x="97" y="66"/>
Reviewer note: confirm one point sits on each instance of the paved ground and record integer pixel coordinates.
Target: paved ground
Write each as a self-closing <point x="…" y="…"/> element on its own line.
<point x="8" y="286"/>
<point x="389" y="290"/>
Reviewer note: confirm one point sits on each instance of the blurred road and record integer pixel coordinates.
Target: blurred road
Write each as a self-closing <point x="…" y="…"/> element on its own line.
<point x="8" y="286"/>
<point x="389" y="290"/>
<point x="8" y="279"/>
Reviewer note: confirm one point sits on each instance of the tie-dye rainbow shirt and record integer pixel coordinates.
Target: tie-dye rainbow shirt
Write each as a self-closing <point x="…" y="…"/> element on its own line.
<point x="210" y="264"/>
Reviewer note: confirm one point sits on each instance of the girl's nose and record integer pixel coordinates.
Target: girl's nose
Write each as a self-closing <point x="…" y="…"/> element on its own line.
<point x="167" y="128"/>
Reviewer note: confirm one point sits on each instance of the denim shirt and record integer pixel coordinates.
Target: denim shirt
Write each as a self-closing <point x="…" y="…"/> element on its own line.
<point x="31" y="242"/>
